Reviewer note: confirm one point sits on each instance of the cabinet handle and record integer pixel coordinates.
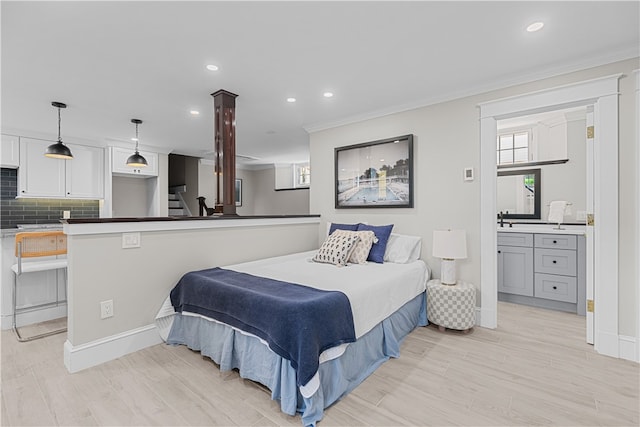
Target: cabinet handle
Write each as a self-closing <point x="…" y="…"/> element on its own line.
<point x="499" y="252"/>
<point x="555" y="287"/>
<point x="555" y="241"/>
<point x="554" y="261"/>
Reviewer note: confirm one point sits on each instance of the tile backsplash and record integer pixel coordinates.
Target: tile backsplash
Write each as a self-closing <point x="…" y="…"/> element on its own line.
<point x="37" y="211"/>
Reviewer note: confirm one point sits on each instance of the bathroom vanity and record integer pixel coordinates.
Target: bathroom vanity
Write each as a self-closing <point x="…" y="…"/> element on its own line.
<point x="543" y="267"/>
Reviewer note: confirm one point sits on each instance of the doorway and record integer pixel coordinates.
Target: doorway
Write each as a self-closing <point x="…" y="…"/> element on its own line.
<point x="542" y="158"/>
<point x="602" y="93"/>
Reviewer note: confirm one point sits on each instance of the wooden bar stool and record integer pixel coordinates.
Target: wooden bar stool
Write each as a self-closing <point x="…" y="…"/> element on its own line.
<point x="38" y="245"/>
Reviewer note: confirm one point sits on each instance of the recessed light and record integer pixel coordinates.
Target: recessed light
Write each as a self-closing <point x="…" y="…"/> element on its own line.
<point x="194" y="112"/>
<point x="212" y="67"/>
<point x="291" y="100"/>
<point x="327" y="94"/>
<point x="536" y="26"/>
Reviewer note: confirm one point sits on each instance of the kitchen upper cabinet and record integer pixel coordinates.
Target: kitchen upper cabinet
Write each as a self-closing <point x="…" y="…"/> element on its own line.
<point x="39" y="176"/>
<point x="85" y="173"/>
<point x="119" y="166"/>
<point x="10" y="151"/>
<point x="79" y="178"/>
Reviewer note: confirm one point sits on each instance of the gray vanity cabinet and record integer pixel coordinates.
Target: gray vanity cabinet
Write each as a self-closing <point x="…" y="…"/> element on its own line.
<point x="543" y="270"/>
<point x="515" y="263"/>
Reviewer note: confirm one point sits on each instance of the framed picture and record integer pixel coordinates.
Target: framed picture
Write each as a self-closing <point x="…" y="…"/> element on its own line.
<point x="238" y="192"/>
<point x="377" y="174"/>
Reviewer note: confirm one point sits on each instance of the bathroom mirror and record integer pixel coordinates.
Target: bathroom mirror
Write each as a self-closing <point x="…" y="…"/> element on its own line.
<point x="518" y="194"/>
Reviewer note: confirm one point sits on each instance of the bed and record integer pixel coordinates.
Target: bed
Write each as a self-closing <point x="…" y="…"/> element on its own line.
<point x="387" y="301"/>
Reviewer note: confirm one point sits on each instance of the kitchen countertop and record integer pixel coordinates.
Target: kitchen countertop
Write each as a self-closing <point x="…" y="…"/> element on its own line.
<point x="542" y="228"/>
<point x="29" y="227"/>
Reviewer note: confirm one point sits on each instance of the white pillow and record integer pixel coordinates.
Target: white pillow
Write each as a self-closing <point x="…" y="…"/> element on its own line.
<point x="337" y="248"/>
<point x="361" y="249"/>
<point x="402" y="248"/>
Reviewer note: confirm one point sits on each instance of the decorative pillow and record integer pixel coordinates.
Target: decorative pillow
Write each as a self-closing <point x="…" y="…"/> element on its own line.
<point x="362" y="248"/>
<point x="382" y="233"/>
<point x="334" y="226"/>
<point x="402" y="249"/>
<point x="337" y="248"/>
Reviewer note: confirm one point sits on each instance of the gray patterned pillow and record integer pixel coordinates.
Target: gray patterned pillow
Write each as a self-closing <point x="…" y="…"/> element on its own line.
<point x="337" y="248"/>
<point x="362" y="248"/>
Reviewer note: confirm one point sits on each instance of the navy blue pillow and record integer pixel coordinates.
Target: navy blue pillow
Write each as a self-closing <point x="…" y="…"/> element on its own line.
<point x="350" y="227"/>
<point x="382" y="232"/>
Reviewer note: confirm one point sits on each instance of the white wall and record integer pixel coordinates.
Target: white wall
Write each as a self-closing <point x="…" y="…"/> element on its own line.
<point x="139" y="279"/>
<point x="130" y="197"/>
<point x="268" y="201"/>
<point x="447" y="140"/>
<point x="568" y="181"/>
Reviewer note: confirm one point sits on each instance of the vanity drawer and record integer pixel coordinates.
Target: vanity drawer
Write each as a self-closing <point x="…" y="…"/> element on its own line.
<point x="558" y="288"/>
<point x="515" y="239"/>
<point x="555" y="241"/>
<point x="555" y="261"/>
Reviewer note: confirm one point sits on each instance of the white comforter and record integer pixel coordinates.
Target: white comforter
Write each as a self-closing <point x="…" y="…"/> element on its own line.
<point x="374" y="290"/>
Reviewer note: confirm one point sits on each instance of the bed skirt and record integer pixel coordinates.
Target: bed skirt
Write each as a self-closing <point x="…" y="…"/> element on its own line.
<point x="233" y="349"/>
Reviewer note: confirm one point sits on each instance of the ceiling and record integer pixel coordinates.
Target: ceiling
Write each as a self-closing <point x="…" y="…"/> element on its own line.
<point x="114" y="61"/>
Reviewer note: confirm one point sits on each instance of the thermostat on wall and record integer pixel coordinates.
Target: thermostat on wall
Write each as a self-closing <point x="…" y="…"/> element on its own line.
<point x="468" y="174"/>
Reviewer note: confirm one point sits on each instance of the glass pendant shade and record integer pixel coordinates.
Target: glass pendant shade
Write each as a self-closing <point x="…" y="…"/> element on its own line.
<point x="136" y="160"/>
<point x="58" y="150"/>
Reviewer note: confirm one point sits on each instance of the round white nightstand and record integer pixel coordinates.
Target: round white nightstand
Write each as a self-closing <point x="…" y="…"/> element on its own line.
<point x="451" y="306"/>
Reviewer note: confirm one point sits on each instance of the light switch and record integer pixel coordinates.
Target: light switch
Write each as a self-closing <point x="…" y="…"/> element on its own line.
<point x="130" y="240"/>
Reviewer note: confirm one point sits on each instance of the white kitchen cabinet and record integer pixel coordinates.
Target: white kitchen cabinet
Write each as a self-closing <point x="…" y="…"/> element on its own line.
<point x="79" y="178"/>
<point x="119" y="166"/>
<point x="39" y="176"/>
<point x="85" y="173"/>
<point x="10" y="151"/>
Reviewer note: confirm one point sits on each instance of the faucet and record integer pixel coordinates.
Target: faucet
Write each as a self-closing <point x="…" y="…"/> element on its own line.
<point x="501" y="216"/>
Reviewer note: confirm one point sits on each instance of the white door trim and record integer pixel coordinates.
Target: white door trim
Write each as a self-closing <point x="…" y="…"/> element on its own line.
<point x="637" y="116"/>
<point x="603" y="94"/>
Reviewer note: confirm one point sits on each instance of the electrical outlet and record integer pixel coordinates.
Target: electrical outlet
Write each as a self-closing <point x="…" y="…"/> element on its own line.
<point x="106" y="309"/>
<point x="130" y="240"/>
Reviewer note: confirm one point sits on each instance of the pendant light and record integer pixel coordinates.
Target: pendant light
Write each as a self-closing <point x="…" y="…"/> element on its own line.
<point x="58" y="150"/>
<point x="136" y="160"/>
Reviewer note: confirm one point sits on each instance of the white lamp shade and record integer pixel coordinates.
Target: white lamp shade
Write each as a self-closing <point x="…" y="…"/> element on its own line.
<point x="449" y="244"/>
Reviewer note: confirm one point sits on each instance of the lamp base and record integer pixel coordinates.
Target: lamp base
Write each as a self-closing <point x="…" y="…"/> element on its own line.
<point x="448" y="272"/>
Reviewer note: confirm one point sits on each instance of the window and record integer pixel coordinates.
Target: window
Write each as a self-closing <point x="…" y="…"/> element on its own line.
<point x="513" y="148"/>
<point x="302" y="175"/>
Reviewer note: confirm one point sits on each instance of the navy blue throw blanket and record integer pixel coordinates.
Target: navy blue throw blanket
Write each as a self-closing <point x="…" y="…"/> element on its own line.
<point x="298" y="322"/>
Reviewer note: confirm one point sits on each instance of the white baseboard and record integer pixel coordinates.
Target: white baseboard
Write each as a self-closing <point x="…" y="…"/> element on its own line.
<point x="607" y="344"/>
<point x="628" y="348"/>
<point x="83" y="356"/>
<point x="35" y="316"/>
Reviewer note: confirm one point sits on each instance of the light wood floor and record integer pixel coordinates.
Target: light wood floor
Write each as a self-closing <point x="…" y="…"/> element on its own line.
<point x="535" y="369"/>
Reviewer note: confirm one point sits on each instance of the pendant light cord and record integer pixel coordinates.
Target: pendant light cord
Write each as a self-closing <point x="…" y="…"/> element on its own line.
<point x="137" y="139"/>
<point x="59" y="139"/>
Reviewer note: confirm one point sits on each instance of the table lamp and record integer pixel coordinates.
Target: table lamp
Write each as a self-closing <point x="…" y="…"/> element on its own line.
<point x="449" y="245"/>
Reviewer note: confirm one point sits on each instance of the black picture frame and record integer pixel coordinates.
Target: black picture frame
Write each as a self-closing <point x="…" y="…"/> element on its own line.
<point x="376" y="174"/>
